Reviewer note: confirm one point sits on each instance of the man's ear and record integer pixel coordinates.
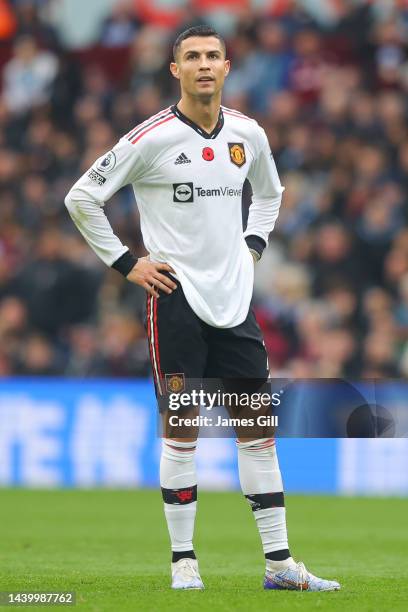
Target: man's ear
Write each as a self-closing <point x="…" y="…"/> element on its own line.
<point x="174" y="70"/>
<point x="227" y="67"/>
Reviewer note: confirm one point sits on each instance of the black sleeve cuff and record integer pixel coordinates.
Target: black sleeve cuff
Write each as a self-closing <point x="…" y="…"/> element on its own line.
<point x="256" y="243"/>
<point x="125" y="263"/>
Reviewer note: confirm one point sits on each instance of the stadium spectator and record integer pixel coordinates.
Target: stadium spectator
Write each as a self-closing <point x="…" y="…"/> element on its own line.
<point x="30" y="23"/>
<point x="309" y="66"/>
<point x="28" y="76"/>
<point x="271" y="65"/>
<point x="38" y="357"/>
<point x="120" y="27"/>
<point x="57" y="292"/>
<point x="149" y="60"/>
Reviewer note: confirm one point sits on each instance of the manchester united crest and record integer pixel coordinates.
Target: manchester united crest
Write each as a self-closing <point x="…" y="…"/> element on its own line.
<point x="175" y="383"/>
<point x="237" y="153"/>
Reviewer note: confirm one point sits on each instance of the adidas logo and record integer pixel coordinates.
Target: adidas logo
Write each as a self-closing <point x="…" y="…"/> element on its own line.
<point x="182" y="159"/>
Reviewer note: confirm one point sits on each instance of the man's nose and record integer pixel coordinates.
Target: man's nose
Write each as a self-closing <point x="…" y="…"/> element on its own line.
<point x="204" y="63"/>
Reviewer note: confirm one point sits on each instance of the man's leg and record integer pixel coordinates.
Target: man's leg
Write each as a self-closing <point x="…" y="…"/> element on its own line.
<point x="178" y="354"/>
<point x="238" y="354"/>
<point x="261" y="483"/>
<point x="178" y="483"/>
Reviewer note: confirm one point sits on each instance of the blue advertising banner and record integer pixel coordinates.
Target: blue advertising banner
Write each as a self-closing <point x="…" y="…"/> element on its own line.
<point x="90" y="433"/>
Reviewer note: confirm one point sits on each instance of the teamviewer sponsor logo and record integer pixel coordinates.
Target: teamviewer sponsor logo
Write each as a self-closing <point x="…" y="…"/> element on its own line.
<point x="218" y="192"/>
<point x="183" y="192"/>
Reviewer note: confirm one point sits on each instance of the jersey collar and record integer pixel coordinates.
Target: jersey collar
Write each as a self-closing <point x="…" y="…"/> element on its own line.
<point x="203" y="133"/>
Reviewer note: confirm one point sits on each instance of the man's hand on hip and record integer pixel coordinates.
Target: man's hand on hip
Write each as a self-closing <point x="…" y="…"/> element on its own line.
<point x="147" y="274"/>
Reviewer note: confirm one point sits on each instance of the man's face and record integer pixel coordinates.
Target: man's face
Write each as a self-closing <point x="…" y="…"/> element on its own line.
<point x="201" y="66"/>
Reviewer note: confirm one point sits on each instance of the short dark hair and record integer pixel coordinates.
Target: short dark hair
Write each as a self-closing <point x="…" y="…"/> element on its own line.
<point x="201" y="30"/>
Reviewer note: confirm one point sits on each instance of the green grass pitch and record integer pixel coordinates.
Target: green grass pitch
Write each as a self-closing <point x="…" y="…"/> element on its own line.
<point x="111" y="547"/>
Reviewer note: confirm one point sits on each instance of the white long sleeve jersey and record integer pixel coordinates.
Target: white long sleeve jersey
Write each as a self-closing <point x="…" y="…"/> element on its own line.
<point x="188" y="187"/>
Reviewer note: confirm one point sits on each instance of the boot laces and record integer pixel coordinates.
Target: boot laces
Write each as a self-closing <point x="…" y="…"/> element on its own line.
<point x="187" y="569"/>
<point x="302" y="574"/>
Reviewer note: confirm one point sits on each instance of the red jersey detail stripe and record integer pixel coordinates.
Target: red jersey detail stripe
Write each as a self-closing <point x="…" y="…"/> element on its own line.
<point x="265" y="445"/>
<point x="148" y="333"/>
<point x="232" y="110"/>
<point x="236" y="112"/>
<point x="266" y="442"/>
<point x="153" y="127"/>
<point x="182" y="450"/>
<point x="238" y="116"/>
<point x="151" y="334"/>
<point x="262" y="445"/>
<point x="156" y="338"/>
<point x="146" y="124"/>
<point x="146" y="121"/>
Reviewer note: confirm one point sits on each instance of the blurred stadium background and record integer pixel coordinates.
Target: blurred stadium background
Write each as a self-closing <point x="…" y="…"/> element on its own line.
<point x="328" y="80"/>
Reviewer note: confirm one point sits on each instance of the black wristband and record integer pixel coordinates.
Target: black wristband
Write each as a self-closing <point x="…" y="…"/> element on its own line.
<point x="256" y="243"/>
<point x="125" y="263"/>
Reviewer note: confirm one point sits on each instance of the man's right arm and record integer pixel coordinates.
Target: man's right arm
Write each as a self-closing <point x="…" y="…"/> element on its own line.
<point x="85" y="201"/>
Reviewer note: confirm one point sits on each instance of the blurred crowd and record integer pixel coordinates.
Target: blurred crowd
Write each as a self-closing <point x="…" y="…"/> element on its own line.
<point x="331" y="292"/>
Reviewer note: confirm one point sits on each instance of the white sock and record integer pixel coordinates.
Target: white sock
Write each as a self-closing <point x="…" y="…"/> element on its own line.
<point x="261" y="483"/>
<point x="178" y="481"/>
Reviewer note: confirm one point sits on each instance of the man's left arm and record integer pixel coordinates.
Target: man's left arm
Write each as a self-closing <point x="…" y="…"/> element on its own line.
<point x="266" y="198"/>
